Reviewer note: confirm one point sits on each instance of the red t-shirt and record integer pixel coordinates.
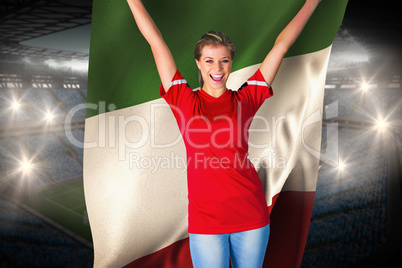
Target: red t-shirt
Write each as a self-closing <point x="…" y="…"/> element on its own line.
<point x="224" y="191"/>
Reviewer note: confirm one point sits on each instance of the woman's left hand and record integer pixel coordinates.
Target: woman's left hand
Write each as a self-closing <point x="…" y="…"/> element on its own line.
<point x="285" y="39"/>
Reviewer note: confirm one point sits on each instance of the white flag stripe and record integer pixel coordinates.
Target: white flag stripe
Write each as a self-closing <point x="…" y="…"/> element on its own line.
<point x="287" y="117"/>
<point x="144" y="196"/>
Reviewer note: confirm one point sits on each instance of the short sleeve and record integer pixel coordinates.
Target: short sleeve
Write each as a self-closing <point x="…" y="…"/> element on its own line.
<point x="255" y="91"/>
<point x="179" y="93"/>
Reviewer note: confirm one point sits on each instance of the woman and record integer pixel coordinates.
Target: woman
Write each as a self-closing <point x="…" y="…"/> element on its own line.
<point x="228" y="216"/>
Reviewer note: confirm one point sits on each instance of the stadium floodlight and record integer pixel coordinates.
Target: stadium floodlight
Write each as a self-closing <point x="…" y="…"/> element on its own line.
<point x="364" y="87"/>
<point x="49" y="116"/>
<point x="26" y="166"/>
<point x="52" y="63"/>
<point x="15" y="105"/>
<point x="341" y="166"/>
<point x="381" y="125"/>
<point x="78" y="65"/>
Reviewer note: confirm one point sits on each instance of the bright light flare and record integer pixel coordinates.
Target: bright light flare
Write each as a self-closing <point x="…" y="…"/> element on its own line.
<point x="350" y="53"/>
<point x="364" y="87"/>
<point x="341" y="166"/>
<point x="74" y="64"/>
<point x="49" y="116"/>
<point x="52" y="63"/>
<point x="15" y="105"/>
<point x="78" y="65"/>
<point x="25" y="173"/>
<point x="381" y="125"/>
<point x="26" y="166"/>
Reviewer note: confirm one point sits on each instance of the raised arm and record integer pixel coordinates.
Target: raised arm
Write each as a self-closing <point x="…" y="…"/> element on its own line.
<point x="285" y="39"/>
<point x="162" y="55"/>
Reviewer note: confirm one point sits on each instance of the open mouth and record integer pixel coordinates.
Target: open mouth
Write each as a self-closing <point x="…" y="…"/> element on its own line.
<point x="216" y="77"/>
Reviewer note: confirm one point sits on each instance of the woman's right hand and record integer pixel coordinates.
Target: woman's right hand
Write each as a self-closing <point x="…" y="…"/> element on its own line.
<point x="162" y="55"/>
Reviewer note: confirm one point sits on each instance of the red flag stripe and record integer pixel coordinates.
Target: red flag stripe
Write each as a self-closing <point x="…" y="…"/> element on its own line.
<point x="290" y="219"/>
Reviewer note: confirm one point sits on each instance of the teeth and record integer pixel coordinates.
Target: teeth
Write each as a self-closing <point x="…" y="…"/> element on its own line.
<point x="217" y="77"/>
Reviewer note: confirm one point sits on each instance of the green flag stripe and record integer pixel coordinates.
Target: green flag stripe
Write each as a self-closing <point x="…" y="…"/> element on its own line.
<point x="121" y="66"/>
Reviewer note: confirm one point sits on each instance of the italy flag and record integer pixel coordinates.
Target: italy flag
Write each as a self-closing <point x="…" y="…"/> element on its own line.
<point x="134" y="157"/>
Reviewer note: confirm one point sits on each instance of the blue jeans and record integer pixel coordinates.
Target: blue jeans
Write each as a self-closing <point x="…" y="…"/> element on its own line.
<point x="244" y="249"/>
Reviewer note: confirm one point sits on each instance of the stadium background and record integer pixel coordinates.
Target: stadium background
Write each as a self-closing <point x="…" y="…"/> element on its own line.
<point x="44" y="48"/>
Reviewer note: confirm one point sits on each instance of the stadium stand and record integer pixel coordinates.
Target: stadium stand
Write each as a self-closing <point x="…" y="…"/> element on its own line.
<point x="7" y="114"/>
<point x="27" y="241"/>
<point x="357" y="209"/>
<point x="71" y="98"/>
<point x="349" y="207"/>
<point x="79" y="137"/>
<point x="40" y="101"/>
<point x="52" y="152"/>
<point x="356" y="217"/>
<point x="84" y="91"/>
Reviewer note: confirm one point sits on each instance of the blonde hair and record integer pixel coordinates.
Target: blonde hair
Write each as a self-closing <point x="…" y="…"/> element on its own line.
<point x="212" y="38"/>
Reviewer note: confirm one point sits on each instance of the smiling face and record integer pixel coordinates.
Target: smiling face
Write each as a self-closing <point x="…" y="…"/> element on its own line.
<point x="215" y="65"/>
